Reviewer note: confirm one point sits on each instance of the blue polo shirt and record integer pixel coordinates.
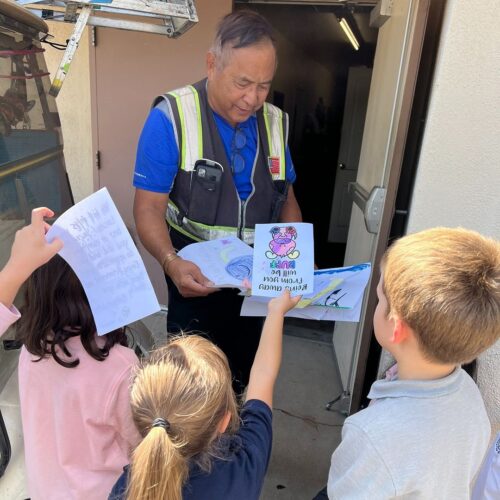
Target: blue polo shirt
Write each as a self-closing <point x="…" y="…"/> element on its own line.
<point x="157" y="157"/>
<point x="238" y="476"/>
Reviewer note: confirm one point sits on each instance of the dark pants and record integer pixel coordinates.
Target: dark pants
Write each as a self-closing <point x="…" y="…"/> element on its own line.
<point x="218" y="316"/>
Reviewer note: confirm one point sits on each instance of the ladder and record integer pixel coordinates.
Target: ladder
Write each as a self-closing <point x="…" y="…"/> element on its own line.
<point x="170" y="18"/>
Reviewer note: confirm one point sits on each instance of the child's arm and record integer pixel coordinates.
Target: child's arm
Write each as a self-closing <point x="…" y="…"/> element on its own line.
<point x="29" y="251"/>
<point x="267" y="360"/>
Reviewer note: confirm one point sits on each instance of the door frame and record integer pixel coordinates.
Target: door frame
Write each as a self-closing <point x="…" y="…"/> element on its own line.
<point x="404" y="188"/>
<point x="423" y="26"/>
<point x="93" y="105"/>
<point x="401" y="172"/>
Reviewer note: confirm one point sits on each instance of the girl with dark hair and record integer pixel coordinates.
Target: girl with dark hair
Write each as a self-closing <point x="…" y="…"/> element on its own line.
<point x="74" y="391"/>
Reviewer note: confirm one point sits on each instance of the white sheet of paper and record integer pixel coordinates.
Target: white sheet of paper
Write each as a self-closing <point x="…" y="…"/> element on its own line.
<point x="347" y="293"/>
<point x="353" y="284"/>
<point x="283" y="258"/>
<point x="252" y="306"/>
<point x="99" y="249"/>
<point x="225" y="261"/>
<point x="349" y="315"/>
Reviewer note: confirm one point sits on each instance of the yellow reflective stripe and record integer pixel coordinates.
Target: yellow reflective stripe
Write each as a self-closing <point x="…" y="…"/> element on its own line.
<point x="205" y="227"/>
<point x="268" y="128"/>
<point x="200" y="127"/>
<point x="188" y="105"/>
<point x="183" y="129"/>
<point x="173" y="205"/>
<point x="248" y="234"/>
<point x="185" y="233"/>
<point x="213" y="228"/>
<point x="283" y="157"/>
<point x="199" y="231"/>
<point x="191" y="112"/>
<point x="273" y="119"/>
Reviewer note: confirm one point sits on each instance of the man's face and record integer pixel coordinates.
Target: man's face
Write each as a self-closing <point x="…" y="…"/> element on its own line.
<point x="382" y="325"/>
<point x="238" y="89"/>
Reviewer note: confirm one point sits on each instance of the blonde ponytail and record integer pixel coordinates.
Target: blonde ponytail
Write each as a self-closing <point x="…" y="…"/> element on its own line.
<point x="179" y="397"/>
<point x="158" y="469"/>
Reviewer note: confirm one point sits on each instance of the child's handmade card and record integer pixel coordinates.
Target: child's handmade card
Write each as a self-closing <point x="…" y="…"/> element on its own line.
<point x="226" y="262"/>
<point x="100" y="250"/>
<point x="283" y="258"/>
<point x="337" y="296"/>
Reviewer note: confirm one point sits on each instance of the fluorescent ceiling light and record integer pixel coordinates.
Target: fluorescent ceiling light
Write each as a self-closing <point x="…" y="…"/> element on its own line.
<point x="350" y="35"/>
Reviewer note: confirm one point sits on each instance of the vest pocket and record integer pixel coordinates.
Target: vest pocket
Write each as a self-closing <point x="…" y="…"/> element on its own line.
<point x="204" y="198"/>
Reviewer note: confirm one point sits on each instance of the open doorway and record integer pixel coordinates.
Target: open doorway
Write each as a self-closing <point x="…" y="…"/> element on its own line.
<point x="322" y="82"/>
<point x="317" y="60"/>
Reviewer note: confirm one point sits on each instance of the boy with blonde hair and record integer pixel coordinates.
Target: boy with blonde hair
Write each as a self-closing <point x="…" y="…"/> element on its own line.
<point x="426" y="430"/>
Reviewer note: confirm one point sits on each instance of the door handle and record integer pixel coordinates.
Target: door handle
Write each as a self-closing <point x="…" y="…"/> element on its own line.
<point x="371" y="204"/>
<point x="342" y="166"/>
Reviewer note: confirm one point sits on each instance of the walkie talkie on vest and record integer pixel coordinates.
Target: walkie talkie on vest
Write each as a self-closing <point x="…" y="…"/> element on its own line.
<point x="206" y="180"/>
<point x="208" y="173"/>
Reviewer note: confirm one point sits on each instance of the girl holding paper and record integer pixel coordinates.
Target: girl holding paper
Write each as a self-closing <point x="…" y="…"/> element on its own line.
<point x="73" y="385"/>
<point x="185" y="409"/>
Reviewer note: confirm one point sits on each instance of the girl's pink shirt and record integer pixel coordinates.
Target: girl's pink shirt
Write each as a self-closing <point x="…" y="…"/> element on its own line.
<point x="77" y="424"/>
<point x="8" y="315"/>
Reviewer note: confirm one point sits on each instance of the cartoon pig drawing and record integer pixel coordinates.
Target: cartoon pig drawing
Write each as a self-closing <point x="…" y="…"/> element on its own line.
<point x="283" y="243"/>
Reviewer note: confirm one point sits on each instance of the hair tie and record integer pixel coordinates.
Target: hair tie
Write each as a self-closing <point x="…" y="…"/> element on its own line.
<point x="161" y="422"/>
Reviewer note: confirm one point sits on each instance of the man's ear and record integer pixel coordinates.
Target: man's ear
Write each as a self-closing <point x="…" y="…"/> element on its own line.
<point x="210" y="59"/>
<point x="400" y="332"/>
<point x="221" y="428"/>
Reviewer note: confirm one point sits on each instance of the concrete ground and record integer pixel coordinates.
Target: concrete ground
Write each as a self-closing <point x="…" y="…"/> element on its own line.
<point x="305" y="434"/>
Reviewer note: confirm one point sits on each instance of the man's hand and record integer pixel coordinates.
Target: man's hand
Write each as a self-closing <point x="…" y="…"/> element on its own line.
<point x="188" y="279"/>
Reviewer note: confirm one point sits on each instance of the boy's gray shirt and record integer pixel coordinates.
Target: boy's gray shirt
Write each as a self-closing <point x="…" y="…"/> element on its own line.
<point x="417" y="440"/>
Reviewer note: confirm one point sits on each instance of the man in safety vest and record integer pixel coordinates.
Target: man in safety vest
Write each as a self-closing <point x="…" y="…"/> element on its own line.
<point x="213" y="161"/>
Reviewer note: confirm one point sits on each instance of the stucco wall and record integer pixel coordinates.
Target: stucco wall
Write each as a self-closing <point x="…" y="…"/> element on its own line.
<point x="73" y="105"/>
<point x="458" y="178"/>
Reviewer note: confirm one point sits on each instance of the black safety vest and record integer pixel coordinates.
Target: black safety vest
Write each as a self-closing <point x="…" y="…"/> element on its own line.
<point x="204" y="208"/>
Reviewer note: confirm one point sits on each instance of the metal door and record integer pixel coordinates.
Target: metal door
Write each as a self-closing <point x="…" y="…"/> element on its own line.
<point x="358" y="86"/>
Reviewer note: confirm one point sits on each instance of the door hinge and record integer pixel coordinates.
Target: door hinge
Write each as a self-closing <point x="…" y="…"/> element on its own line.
<point x="93" y="36"/>
<point x="98" y="160"/>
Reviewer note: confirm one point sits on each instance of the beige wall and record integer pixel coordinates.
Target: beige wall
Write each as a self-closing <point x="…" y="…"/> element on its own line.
<point x="73" y="104"/>
<point x="108" y="91"/>
<point x="458" y="178"/>
<point x="128" y="70"/>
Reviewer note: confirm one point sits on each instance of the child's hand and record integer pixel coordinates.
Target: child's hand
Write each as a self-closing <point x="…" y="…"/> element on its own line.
<point x="283" y="303"/>
<point x="30" y="248"/>
<point x="247" y="287"/>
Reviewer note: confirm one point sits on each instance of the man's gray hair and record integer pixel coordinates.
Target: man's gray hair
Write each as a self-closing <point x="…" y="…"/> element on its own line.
<point x="242" y="28"/>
